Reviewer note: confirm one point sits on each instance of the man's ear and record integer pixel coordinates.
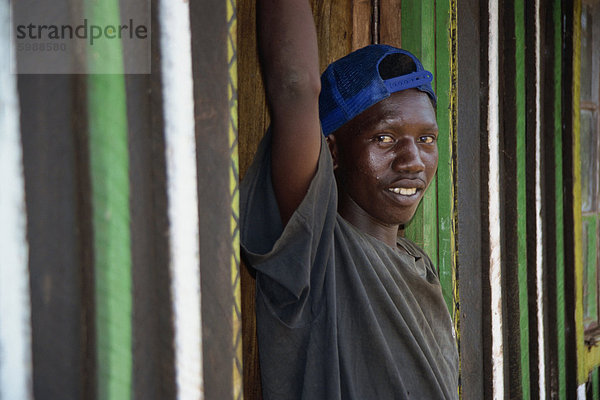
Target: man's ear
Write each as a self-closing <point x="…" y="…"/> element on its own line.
<point x="333" y="149"/>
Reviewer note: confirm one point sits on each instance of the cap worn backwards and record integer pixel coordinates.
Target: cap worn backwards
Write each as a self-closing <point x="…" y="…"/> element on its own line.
<point x="353" y="83"/>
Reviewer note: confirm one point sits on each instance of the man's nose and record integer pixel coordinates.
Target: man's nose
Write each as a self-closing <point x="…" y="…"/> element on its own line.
<point x="408" y="157"/>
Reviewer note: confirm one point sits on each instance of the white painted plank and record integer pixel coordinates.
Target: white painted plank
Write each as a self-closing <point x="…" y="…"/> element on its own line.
<point x="494" y="205"/>
<point x="178" y="105"/>
<point x="15" y="303"/>
<point x="538" y="209"/>
<point x="581" y="392"/>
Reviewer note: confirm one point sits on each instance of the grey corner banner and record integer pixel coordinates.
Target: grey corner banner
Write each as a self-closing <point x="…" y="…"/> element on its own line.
<point x="80" y="36"/>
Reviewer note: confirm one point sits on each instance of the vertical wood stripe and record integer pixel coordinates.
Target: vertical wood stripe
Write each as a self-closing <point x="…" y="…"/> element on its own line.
<point x="110" y="202"/>
<point x="178" y="106"/>
<point x="15" y="305"/>
<point x="411" y="25"/>
<point x="581" y="392"/>
<point x="592" y="277"/>
<point x="589" y="355"/>
<point x="494" y="205"/>
<point x="559" y="206"/>
<point x="429" y="204"/>
<point x="539" y="267"/>
<point x="234" y="191"/>
<point x="375" y="22"/>
<point x="362" y="11"/>
<point x="444" y="178"/>
<point x="109" y="170"/>
<point x="454" y="171"/>
<point x="418" y="37"/>
<point x="582" y="372"/>
<point x="521" y="196"/>
<point x="390" y="12"/>
<point x="472" y="279"/>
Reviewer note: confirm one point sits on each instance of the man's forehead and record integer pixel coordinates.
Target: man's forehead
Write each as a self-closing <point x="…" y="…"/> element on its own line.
<point x="398" y="106"/>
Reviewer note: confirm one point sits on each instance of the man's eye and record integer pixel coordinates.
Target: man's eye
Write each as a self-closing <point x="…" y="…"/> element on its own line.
<point x="427" y="139"/>
<point x="385" y="139"/>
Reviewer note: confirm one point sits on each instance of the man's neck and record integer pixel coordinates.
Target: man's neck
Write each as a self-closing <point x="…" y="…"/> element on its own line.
<point x="358" y="217"/>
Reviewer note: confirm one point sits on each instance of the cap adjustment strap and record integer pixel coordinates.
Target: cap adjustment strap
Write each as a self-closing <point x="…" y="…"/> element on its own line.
<point x="412" y="80"/>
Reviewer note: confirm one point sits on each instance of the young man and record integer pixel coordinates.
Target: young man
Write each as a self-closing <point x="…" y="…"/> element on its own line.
<point x="345" y="308"/>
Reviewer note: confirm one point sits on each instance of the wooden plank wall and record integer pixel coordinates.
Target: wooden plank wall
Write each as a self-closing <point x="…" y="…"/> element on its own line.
<point x="474" y="323"/>
<point x="57" y="227"/>
<point x="102" y="243"/>
<point x="109" y="184"/>
<point x="515" y="264"/>
<point x="153" y="330"/>
<point x="152" y="315"/>
<point x="553" y="182"/>
<point x="569" y="39"/>
<point x="214" y="160"/>
<point x="533" y="190"/>
<point x="539" y="279"/>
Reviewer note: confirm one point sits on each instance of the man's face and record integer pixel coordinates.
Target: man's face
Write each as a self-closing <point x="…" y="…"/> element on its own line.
<point x="386" y="157"/>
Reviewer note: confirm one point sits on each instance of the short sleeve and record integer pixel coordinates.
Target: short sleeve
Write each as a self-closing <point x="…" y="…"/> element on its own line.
<point x="291" y="262"/>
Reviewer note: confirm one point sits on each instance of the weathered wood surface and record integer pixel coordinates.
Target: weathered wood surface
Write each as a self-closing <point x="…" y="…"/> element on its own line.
<point x="210" y="67"/>
<point x="59" y="263"/>
<point x="390" y="17"/>
<point x="475" y="377"/>
<point x="152" y="313"/>
<point x="513" y="151"/>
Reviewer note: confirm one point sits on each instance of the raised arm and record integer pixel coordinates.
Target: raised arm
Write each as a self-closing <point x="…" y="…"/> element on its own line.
<point x="288" y="50"/>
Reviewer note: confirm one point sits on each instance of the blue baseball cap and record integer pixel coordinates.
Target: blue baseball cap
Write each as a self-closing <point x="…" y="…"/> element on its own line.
<point x="353" y="83"/>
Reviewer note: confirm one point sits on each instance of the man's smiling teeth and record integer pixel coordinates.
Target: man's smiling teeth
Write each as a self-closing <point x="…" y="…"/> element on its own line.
<point x="404" y="191"/>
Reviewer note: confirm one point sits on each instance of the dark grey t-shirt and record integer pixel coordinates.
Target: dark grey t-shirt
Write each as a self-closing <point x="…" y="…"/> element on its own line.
<point x="340" y="314"/>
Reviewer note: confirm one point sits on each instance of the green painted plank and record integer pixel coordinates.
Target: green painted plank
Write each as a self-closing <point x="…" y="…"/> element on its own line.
<point x="418" y="27"/>
<point x="109" y="169"/>
<point x="110" y="192"/>
<point x="582" y="367"/>
<point x="521" y="196"/>
<point x="591" y="267"/>
<point x="445" y="199"/>
<point x="411" y="27"/>
<point x="559" y="205"/>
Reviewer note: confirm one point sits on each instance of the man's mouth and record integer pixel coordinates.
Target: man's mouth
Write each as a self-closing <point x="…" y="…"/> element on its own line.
<point x="403" y="191"/>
